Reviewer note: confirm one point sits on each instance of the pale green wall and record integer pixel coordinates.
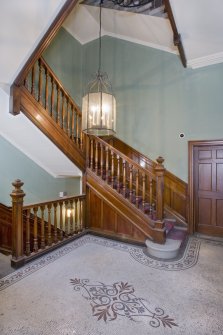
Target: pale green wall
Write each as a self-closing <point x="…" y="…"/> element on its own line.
<point x="65" y="58"/>
<point x="39" y="186"/>
<point x="157" y="98"/>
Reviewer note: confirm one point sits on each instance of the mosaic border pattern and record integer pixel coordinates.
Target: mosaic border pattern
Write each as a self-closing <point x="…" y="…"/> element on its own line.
<point x="188" y="259"/>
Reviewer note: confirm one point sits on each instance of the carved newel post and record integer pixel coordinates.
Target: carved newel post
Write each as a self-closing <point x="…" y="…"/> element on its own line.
<point x="159" y="171"/>
<point x="17" y="224"/>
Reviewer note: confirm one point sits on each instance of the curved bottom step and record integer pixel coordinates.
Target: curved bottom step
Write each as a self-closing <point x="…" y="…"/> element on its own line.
<point x="164" y="251"/>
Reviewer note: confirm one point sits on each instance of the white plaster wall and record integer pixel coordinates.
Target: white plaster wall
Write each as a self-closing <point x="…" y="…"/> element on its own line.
<point x="21" y="132"/>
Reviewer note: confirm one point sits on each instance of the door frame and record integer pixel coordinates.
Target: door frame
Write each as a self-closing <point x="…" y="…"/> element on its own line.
<point x="191" y="145"/>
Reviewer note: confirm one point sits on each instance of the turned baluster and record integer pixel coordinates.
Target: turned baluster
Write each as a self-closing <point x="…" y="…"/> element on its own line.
<point x="124" y="177"/>
<point x="112" y="169"/>
<point x="58" y="106"/>
<point x="143" y="190"/>
<point x="159" y="171"/>
<point x="40" y="81"/>
<point x="68" y="119"/>
<point x="35" y="230"/>
<point x="33" y="80"/>
<point x="61" y="220"/>
<point x="72" y="123"/>
<point x="52" y="98"/>
<point x="77" y="128"/>
<point x="62" y="116"/>
<point x="49" y="237"/>
<point x="130" y="182"/>
<point x="101" y="160"/>
<point x="46" y="89"/>
<point x="81" y="215"/>
<point x="76" y="217"/>
<point x="96" y="157"/>
<point x="28" y="232"/>
<point x="137" y="188"/>
<point x="91" y="154"/>
<point x="150" y="194"/>
<point x="55" y="222"/>
<point x="81" y="139"/>
<point x="64" y="120"/>
<point x="107" y="164"/>
<point x="42" y="243"/>
<point x="71" y="217"/>
<point x="66" y="218"/>
<point x="17" y="196"/>
<point x="118" y="173"/>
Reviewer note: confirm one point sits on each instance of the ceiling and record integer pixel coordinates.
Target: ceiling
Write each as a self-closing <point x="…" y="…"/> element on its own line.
<point x="199" y="23"/>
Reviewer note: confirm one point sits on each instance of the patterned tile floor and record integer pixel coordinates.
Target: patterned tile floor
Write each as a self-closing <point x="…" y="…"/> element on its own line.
<point x="99" y="286"/>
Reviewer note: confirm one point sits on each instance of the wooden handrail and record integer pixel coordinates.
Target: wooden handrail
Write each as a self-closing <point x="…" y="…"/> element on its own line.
<point x="43" y="225"/>
<point x="124" y="157"/>
<point x="143" y="188"/>
<point x="176" y="190"/>
<point x="46" y="39"/>
<point x="46" y="203"/>
<point x="60" y="85"/>
<point x="49" y="93"/>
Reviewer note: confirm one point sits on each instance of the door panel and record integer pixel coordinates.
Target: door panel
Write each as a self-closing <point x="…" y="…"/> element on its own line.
<point x="208" y="189"/>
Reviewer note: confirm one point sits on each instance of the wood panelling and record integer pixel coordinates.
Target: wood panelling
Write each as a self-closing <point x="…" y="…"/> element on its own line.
<point x="95" y="210"/>
<point x="109" y="218"/>
<point x="175" y="190"/>
<point x="108" y="211"/>
<point x="124" y="228"/>
<point x="38" y="115"/>
<point x="5" y="228"/>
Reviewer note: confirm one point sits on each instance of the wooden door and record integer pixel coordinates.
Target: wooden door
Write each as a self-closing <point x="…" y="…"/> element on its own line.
<point x="208" y="189"/>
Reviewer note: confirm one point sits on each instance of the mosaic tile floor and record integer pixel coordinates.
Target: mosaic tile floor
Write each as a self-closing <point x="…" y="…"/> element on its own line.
<point x="99" y="286"/>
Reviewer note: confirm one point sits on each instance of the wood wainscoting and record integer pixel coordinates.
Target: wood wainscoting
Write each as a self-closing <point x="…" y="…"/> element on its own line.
<point x="206" y="187"/>
<point x="109" y="213"/>
<point x="5" y="229"/>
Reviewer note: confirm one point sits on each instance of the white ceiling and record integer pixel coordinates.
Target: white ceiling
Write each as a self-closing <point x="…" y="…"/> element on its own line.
<point x="199" y="22"/>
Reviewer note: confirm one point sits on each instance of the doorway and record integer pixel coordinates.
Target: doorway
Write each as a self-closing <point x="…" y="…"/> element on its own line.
<point x="206" y="187"/>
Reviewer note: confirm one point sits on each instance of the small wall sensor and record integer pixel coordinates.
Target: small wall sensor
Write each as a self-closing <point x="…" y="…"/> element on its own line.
<point x="62" y="194"/>
<point x="181" y="135"/>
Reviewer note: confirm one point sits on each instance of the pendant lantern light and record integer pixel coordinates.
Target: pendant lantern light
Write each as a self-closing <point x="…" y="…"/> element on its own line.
<point x="98" y="104"/>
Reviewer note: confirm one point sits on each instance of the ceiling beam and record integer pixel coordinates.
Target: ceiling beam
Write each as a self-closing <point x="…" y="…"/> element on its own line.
<point x="176" y="36"/>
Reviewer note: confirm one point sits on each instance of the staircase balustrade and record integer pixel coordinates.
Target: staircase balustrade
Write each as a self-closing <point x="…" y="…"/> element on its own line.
<point x="47" y="90"/>
<point x="43" y="225"/>
<point x="143" y="188"/>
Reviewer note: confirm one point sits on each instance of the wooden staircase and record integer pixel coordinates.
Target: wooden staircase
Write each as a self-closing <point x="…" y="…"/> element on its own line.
<point x="128" y="196"/>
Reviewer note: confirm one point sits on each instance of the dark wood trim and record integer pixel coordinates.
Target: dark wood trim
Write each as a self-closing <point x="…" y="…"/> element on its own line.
<point x="38" y="115"/>
<point x="177" y="189"/>
<point x="176" y="36"/>
<point x="191" y="145"/>
<point x="5" y="229"/>
<point x="46" y="39"/>
<point x="124" y="208"/>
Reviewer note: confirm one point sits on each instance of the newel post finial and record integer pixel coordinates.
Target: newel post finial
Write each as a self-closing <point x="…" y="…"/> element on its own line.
<point x="159" y="171"/>
<point x="17" y="196"/>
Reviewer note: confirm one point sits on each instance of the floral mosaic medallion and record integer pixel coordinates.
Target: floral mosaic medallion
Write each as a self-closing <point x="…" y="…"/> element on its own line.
<point x="108" y="302"/>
